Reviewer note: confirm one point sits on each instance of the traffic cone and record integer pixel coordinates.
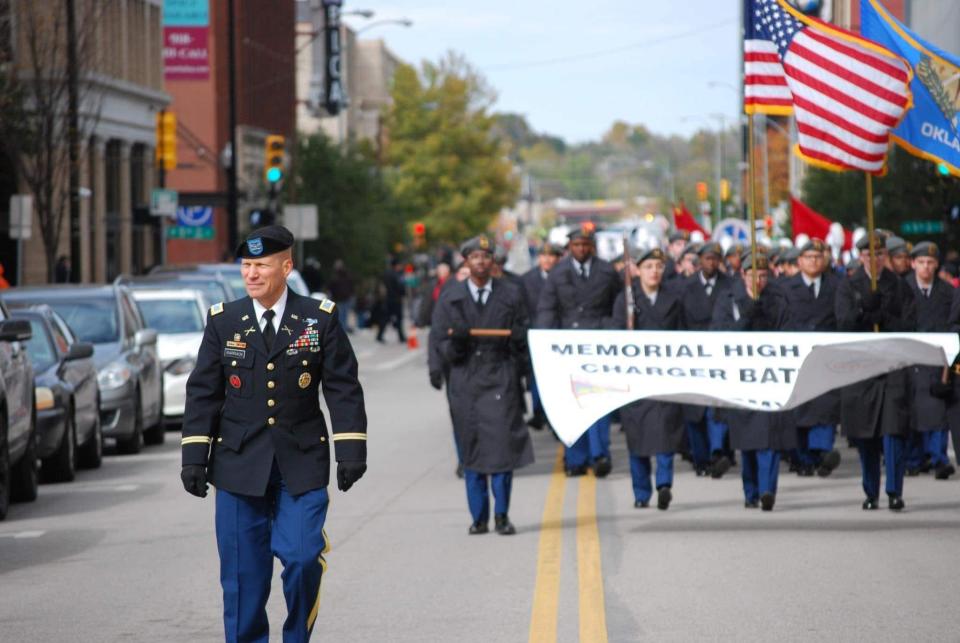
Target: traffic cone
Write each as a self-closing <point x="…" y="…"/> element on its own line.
<point x="412" y="342"/>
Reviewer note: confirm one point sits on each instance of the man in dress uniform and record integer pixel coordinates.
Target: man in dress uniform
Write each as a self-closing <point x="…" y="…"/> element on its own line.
<point x="579" y="294"/>
<point x="654" y="429"/>
<point x="934" y="297"/>
<point x="810" y="297"/>
<point x="700" y="292"/>
<point x="253" y="428"/>
<point x="875" y="413"/>
<point x="758" y="435"/>
<point x="533" y="281"/>
<point x="486" y="400"/>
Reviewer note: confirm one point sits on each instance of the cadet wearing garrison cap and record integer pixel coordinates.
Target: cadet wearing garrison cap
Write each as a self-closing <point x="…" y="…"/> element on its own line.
<point x="676" y="243"/>
<point x="579" y="294"/>
<point x="899" y="252"/>
<point x="733" y="257"/>
<point x="253" y="428"/>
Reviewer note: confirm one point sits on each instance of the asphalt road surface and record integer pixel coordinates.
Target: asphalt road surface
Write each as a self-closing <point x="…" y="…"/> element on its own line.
<point x="124" y="554"/>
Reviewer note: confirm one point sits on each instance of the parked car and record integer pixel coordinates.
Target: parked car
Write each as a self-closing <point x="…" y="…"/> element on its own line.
<point x="214" y="288"/>
<point x="68" y="398"/>
<point x="230" y="274"/>
<point x="19" y="473"/>
<point x="124" y="353"/>
<point x="178" y="316"/>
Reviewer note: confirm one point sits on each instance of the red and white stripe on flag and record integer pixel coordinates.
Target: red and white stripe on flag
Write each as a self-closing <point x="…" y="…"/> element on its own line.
<point x="765" y="88"/>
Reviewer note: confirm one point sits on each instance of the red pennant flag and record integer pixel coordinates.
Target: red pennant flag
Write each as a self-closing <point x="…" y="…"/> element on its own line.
<point x="683" y="220"/>
<point x="808" y="221"/>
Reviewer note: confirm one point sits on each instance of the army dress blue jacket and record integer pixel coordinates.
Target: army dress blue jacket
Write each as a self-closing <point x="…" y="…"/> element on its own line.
<point x="247" y="406"/>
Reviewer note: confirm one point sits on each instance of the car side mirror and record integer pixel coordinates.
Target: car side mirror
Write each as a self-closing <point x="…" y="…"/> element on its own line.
<point x="15" y="330"/>
<point x="145" y="337"/>
<point x="80" y="350"/>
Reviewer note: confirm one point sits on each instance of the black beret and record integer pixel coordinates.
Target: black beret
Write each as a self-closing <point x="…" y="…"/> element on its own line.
<point x="896" y="246"/>
<point x="758" y="261"/>
<point x="264" y="242"/>
<point x="480" y="242"/>
<point x="815" y="245"/>
<point x="926" y="249"/>
<point x="679" y="235"/>
<point x="551" y="249"/>
<point x="864" y="242"/>
<point x="652" y="253"/>
<point x="711" y="247"/>
<point x="736" y="249"/>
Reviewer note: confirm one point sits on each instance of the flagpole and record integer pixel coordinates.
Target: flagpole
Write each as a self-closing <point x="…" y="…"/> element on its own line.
<point x="751" y="209"/>
<point x="872" y="238"/>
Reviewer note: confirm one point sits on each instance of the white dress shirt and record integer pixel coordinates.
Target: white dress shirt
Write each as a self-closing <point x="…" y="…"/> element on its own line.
<point x="816" y="284"/>
<point x="475" y="290"/>
<point x="277" y="308"/>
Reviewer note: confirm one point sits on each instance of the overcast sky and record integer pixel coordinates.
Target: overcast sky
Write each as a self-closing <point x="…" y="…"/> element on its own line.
<point x="642" y="61"/>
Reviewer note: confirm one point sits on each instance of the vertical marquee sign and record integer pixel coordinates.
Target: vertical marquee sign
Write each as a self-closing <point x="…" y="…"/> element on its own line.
<point x="333" y="88"/>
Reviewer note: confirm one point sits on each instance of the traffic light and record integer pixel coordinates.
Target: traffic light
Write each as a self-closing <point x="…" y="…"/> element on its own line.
<point x="419" y="233"/>
<point x="273" y="159"/>
<point x="942" y="169"/>
<point x="768" y="225"/>
<point x="724" y="190"/>
<point x="166" y="149"/>
<point x="702" y="193"/>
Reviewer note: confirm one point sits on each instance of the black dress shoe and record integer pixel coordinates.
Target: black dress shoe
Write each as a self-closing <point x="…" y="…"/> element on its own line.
<point x="478" y="528"/>
<point x="664" y="496"/>
<point x="944" y="471"/>
<point x="536" y="422"/>
<point x="829" y="462"/>
<point x="895" y="503"/>
<point x="766" y="501"/>
<point x="870" y="504"/>
<point x="503" y="525"/>
<point x="751" y="504"/>
<point x="719" y="467"/>
<point x="573" y="472"/>
<point x="641" y="504"/>
<point x="912" y="472"/>
<point x="805" y="471"/>
<point x="602" y="467"/>
<point x="460" y="470"/>
<point x="701" y="471"/>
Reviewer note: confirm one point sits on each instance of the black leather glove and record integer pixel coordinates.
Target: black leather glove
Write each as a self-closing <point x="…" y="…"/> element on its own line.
<point x="194" y="477"/>
<point x="941" y="390"/>
<point x="349" y="472"/>
<point x="872" y="301"/>
<point x="518" y="333"/>
<point x="436" y="380"/>
<point x="459" y="332"/>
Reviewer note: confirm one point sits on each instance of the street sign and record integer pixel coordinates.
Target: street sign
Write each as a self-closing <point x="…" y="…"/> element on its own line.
<point x="200" y="233"/>
<point x="163" y="203"/>
<point x="21" y="216"/>
<point x="921" y="227"/>
<point x="736" y="229"/>
<point x="302" y="221"/>
<point x="195" y="215"/>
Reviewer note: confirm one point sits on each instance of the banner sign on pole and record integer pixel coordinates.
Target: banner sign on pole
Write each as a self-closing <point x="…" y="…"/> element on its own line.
<point x="333" y="88"/>
<point x="584" y="375"/>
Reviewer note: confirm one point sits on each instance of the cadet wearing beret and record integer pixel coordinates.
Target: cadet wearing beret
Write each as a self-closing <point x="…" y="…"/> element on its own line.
<point x="254" y="429"/>
<point x="875" y="413"/>
<point x="928" y="444"/>
<point x="699" y="294"/>
<point x="486" y="400"/>
<point x="533" y="281"/>
<point x="579" y="294"/>
<point x="654" y="429"/>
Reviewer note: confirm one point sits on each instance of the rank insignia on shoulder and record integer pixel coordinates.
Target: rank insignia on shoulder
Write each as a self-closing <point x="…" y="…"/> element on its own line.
<point x="327" y="306"/>
<point x="293" y="316"/>
<point x="216" y="309"/>
<point x="245" y="318"/>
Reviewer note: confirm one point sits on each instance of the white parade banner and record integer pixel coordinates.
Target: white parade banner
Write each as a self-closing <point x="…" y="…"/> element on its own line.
<point x="583" y="375"/>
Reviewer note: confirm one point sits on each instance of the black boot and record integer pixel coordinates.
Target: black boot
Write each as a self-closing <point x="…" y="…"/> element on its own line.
<point x="602" y="467"/>
<point x="766" y="501"/>
<point x="503" y="525"/>
<point x="664" y="496"/>
<point x="478" y="528"/>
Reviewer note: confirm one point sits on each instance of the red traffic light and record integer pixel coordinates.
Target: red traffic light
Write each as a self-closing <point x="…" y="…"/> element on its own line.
<point x="419" y="229"/>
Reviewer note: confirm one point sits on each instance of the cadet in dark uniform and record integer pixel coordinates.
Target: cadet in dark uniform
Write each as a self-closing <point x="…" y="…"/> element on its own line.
<point x="934" y="297"/>
<point x="810" y="298"/>
<point x="579" y="294"/>
<point x="733" y="259"/>
<point x="875" y="413"/>
<point x="654" y="429"/>
<point x="254" y="429"/>
<point x="533" y="281"/>
<point x="700" y="293"/>
<point x="898" y="252"/>
<point x="758" y="435"/>
<point x="486" y="400"/>
<point x="676" y="243"/>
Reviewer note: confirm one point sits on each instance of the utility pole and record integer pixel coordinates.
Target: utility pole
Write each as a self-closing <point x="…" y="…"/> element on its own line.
<point x="232" y="124"/>
<point x="73" y="140"/>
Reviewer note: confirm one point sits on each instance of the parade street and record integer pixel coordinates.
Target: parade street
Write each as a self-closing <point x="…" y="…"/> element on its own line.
<point x="124" y="554"/>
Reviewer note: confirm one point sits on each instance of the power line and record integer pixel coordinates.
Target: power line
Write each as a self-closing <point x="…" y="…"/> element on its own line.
<point x="607" y="52"/>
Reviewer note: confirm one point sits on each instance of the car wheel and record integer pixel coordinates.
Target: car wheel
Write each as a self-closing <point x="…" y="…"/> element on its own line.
<point x="134" y="442"/>
<point x="157" y="433"/>
<point x="61" y="466"/>
<point x="4" y="466"/>
<point x="25" y="475"/>
<point x="90" y="453"/>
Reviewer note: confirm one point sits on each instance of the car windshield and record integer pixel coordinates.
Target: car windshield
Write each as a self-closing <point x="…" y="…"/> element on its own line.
<point x="236" y="282"/>
<point x="92" y="320"/>
<point x="170" y="316"/>
<point x="213" y="290"/>
<point x="39" y="348"/>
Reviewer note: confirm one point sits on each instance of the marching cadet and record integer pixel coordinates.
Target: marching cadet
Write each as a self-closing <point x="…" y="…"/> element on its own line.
<point x="533" y="281"/>
<point x="654" y="429"/>
<point x="758" y="435"/>
<point x="579" y="294"/>
<point x="699" y="293"/>
<point x="253" y="428"/>
<point x="676" y="243"/>
<point x="934" y="297"/>
<point x="809" y="297"/>
<point x="486" y="400"/>
<point x="733" y="259"/>
<point x="898" y="255"/>
<point x="689" y="262"/>
<point x="875" y="413"/>
<point x="789" y="262"/>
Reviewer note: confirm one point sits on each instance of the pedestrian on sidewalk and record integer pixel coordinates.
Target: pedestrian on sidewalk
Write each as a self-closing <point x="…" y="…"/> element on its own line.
<point x="394" y="291"/>
<point x="341" y="290"/>
<point x="253" y="428"/>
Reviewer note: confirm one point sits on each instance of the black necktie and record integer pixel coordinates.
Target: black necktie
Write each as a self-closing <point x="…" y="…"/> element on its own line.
<point x="813" y="289"/>
<point x="709" y="288"/>
<point x="926" y="292"/>
<point x="269" y="332"/>
<point x="583" y="272"/>
<point x="482" y="296"/>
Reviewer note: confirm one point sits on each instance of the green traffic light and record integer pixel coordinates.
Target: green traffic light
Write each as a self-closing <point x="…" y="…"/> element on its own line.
<point x="943" y="169"/>
<point x="274" y="174"/>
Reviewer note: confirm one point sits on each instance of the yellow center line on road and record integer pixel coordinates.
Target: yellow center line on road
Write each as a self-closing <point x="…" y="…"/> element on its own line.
<point x="593" y="618"/>
<point x="546" y="593"/>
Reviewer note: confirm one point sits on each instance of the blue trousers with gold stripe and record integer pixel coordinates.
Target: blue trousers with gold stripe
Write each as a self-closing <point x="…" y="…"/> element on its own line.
<point x="251" y="530"/>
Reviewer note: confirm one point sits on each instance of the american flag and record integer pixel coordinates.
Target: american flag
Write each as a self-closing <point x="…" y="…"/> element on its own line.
<point x="845" y="92"/>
